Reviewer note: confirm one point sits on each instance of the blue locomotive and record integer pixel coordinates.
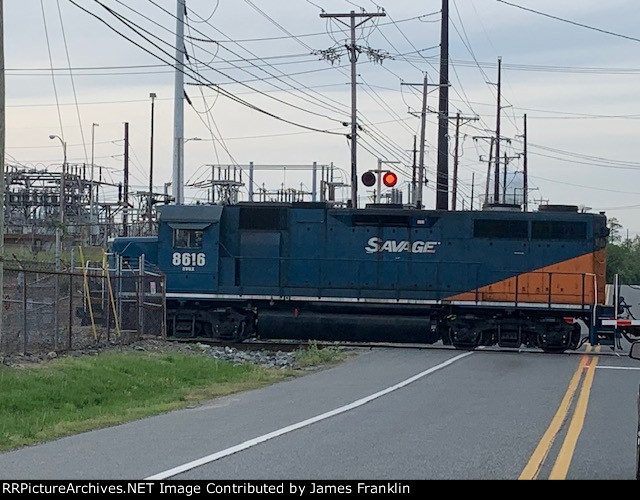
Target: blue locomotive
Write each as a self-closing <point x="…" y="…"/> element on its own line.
<point x="382" y="273"/>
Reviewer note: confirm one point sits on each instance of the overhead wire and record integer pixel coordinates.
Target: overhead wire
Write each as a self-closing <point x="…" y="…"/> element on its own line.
<point x="568" y="21"/>
<point x="172" y="62"/>
<point x="261" y="79"/>
<point x="73" y="84"/>
<point x="53" y="79"/>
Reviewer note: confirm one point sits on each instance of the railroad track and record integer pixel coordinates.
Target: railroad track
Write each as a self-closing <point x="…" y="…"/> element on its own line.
<point x="260" y="345"/>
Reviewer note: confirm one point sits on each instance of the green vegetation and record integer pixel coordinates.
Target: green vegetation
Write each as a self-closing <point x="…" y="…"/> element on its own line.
<point x="72" y="395"/>
<point x="624" y="259"/>
<point x="623" y="256"/>
<point x="315" y="356"/>
<point x="44" y="260"/>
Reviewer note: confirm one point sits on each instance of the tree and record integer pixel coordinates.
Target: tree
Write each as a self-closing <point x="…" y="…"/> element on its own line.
<point x="624" y="259"/>
<point x="615" y="229"/>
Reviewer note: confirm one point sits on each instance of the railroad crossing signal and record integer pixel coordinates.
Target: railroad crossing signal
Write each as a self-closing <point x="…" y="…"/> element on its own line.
<point x="389" y="179"/>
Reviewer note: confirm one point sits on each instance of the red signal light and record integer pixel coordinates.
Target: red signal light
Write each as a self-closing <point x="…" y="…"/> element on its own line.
<point x="368" y="178"/>
<point x="390" y="179"/>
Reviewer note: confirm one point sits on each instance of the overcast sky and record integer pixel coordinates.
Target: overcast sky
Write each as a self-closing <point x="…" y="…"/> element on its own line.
<point x="578" y="87"/>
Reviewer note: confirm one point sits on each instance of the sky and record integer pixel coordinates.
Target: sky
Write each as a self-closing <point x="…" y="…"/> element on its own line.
<point x="260" y="91"/>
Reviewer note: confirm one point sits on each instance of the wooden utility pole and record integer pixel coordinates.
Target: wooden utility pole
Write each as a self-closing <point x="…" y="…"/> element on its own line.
<point x="442" y="176"/>
<point x="353" y="58"/>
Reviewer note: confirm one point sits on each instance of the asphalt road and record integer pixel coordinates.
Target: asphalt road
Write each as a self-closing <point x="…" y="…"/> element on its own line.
<point x="483" y="415"/>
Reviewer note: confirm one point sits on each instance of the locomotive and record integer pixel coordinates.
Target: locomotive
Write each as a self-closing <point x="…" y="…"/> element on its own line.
<point x="383" y="273"/>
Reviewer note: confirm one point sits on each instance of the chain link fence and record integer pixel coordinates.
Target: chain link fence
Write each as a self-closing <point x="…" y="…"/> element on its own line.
<point x="46" y="310"/>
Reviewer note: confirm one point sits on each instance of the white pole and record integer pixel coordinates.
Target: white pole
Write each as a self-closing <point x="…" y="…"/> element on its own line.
<point x="178" y="110"/>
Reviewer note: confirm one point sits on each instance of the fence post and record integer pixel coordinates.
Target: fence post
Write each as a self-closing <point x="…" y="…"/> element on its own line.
<point x="107" y="307"/>
<point x="70" y="334"/>
<point x="119" y="292"/>
<point x="164" y="305"/>
<point x="140" y="296"/>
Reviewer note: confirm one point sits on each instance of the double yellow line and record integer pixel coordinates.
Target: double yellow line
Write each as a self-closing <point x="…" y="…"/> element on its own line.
<point x="587" y="367"/>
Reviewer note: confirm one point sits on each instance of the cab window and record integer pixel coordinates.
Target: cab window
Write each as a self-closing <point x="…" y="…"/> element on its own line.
<point x="187" y="238"/>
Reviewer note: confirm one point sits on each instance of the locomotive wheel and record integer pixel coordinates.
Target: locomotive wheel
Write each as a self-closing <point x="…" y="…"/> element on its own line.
<point x="466" y="339"/>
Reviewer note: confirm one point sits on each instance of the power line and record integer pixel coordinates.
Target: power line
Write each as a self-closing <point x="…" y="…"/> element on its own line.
<point x="173" y="64"/>
<point x="298" y="84"/>
<point x="218" y="70"/>
<point x="53" y="78"/>
<point x="570" y="22"/>
<point x="73" y="84"/>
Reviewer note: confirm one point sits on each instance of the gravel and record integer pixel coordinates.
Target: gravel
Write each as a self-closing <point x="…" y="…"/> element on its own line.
<point x="263" y="357"/>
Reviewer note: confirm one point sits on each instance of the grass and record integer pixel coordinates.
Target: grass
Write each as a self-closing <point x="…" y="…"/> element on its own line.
<point x="316" y="356"/>
<point x="72" y="395"/>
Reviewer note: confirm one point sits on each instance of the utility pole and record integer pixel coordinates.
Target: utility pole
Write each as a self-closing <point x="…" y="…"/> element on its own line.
<point x="414" y="172"/>
<point x="496" y="180"/>
<point x="442" y="176"/>
<point x="507" y="159"/>
<point x="2" y="149"/>
<point x="473" y="185"/>
<point x="178" y="109"/>
<point x="63" y="191"/>
<point x="353" y="58"/>
<point x="486" y="191"/>
<point x="92" y="195"/>
<point x="423" y="125"/>
<point x="504" y="179"/>
<point x="454" y="192"/>
<point x="150" y="200"/>
<point x="125" y="196"/>
<point x="525" y="180"/>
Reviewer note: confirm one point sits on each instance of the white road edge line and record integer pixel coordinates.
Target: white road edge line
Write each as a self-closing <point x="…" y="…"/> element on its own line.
<point x="285" y="430"/>
<point x="617" y="368"/>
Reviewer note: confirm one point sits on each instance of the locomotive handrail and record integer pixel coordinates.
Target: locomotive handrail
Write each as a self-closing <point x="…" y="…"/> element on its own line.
<point x="582" y="297"/>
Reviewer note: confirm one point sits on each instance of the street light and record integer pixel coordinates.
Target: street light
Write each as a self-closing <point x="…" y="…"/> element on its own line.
<point x="62" y="195"/>
<point x="192" y="139"/>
